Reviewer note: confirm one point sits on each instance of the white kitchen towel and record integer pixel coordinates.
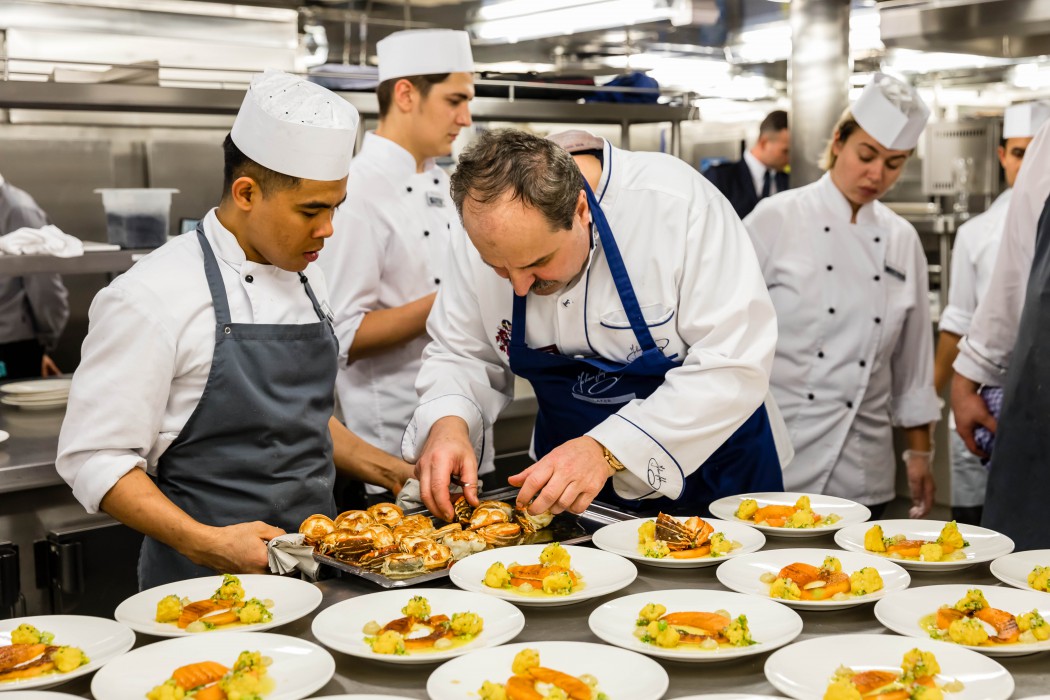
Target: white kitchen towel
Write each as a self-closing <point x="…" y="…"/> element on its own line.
<point x="49" y="240"/>
<point x="286" y="553"/>
<point x="409" y="499"/>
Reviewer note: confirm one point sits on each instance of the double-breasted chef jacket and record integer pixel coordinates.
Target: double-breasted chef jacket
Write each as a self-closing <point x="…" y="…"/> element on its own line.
<point x="148" y="357"/>
<point x="855" y="354"/>
<point x="702" y="297"/>
<point x="389" y="248"/>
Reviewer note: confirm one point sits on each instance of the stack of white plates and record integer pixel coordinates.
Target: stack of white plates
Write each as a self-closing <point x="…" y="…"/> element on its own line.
<point x="36" y="393"/>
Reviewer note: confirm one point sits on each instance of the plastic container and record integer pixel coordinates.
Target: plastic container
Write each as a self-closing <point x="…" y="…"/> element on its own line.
<point x="137" y="217"/>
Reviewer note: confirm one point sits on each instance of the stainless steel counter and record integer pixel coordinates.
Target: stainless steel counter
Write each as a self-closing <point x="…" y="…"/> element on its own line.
<point x="27" y="458"/>
<point x="1031" y="673"/>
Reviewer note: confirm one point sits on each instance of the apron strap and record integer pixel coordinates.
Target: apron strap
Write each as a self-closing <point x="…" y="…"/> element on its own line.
<point x="215" y="284"/>
<point x="313" y="299"/>
<point x="624" y="288"/>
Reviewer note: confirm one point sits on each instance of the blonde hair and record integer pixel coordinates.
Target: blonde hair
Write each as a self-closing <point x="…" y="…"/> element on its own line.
<point x="844" y="127"/>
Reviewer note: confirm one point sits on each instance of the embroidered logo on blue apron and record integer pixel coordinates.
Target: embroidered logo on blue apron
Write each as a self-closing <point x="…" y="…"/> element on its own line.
<point x="592" y="387"/>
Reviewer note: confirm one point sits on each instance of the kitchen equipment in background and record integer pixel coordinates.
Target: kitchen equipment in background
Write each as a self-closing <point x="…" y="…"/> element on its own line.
<point x="137" y="217"/>
<point x="88" y="569"/>
<point x="948" y="142"/>
<point x="12" y="602"/>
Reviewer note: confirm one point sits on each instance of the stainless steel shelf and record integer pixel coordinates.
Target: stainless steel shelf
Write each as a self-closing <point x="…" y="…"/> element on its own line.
<point x="17" y="94"/>
<point x="88" y="263"/>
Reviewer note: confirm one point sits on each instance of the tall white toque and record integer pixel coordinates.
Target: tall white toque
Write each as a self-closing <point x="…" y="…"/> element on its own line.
<point x="892" y="112"/>
<point x="424" y="52"/>
<point x="296" y="128"/>
<point x="1022" y="121"/>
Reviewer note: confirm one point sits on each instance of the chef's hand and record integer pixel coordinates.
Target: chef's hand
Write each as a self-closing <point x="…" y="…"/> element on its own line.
<point x="568" y="478"/>
<point x="446" y="453"/>
<point x="970" y="412"/>
<point x="920" y="482"/>
<point x="235" y="549"/>
<point x="48" y="368"/>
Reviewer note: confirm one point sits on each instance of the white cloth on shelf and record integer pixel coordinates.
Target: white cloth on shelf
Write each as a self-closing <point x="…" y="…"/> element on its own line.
<point x="47" y="240"/>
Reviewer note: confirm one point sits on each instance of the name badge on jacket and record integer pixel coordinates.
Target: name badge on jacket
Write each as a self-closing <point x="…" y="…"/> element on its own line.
<point x="435" y="200"/>
<point x="895" y="272"/>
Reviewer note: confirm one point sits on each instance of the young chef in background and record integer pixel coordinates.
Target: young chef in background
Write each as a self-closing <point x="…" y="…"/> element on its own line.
<point x="973" y="257"/>
<point x="211" y="363"/>
<point x="849" y="282"/>
<point x="386" y="260"/>
<point x="649" y="355"/>
<point x="33" y="308"/>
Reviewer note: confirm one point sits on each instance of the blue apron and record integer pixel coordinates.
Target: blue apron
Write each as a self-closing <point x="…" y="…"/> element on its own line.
<point x="257" y="445"/>
<point x="747" y="461"/>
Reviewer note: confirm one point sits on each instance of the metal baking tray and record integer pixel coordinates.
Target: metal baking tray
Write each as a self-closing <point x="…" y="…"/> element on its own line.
<point x="566" y="528"/>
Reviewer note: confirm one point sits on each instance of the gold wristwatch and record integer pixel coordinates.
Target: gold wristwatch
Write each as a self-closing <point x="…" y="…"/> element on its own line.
<point x="610" y="458"/>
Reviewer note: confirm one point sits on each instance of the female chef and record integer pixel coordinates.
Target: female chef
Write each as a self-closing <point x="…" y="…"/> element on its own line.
<point x="848" y="280"/>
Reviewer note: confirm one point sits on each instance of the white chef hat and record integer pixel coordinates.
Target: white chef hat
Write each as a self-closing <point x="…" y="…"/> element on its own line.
<point x="576" y="140"/>
<point x="1022" y="121"/>
<point x="424" y="52"/>
<point x="892" y="112"/>
<point x="295" y="127"/>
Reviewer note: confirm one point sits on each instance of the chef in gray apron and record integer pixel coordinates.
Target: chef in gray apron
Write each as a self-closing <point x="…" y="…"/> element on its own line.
<point x="252" y="360"/>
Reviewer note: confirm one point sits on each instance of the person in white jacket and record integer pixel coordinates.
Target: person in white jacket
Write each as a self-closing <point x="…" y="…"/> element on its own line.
<point x="623" y="287"/>
<point x="848" y="279"/>
<point x="387" y="258"/>
<point x="973" y="258"/>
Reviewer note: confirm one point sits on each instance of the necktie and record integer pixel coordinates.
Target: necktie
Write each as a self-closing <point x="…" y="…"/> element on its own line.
<point x="767" y="181"/>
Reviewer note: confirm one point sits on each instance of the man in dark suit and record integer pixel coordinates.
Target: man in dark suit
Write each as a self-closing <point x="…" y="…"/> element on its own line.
<point x="760" y="172"/>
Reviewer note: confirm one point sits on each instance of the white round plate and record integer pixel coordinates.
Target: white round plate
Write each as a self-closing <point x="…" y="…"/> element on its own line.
<point x="4" y="435"/>
<point x="622" y="538"/>
<point x="292" y="598"/>
<point x="850" y="512"/>
<point x="772" y="625"/>
<point x="102" y="640"/>
<point x="33" y="405"/>
<point x="743" y="575"/>
<point x="1013" y="569"/>
<point x="602" y="573"/>
<point x="38" y="386"/>
<point x="362" y="697"/>
<point x="804" y="669"/>
<point x="299" y="667"/>
<point x="38" y="695"/>
<point x="620" y="673"/>
<point x="730" y="696"/>
<point x="985" y="545"/>
<point x="339" y="627"/>
<point x="901" y="611"/>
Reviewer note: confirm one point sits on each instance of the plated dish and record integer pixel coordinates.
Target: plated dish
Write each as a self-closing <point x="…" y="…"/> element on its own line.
<point x="990" y="619"/>
<point x="350" y="626"/>
<point x="591" y="573"/>
<point x="211" y="680"/>
<point x="645" y="541"/>
<point x="805" y="670"/>
<point x="695" y="625"/>
<point x="791" y="514"/>
<point x="908" y="537"/>
<point x="212" y="604"/>
<point x="783" y="575"/>
<point x="1029" y="571"/>
<point x="46" y="650"/>
<point x="296" y="669"/>
<point x="589" y="669"/>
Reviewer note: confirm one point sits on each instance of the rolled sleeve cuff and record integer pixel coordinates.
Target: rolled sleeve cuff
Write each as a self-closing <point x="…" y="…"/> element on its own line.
<point x="428" y="413"/>
<point x="917" y="407"/>
<point x="955" y="320"/>
<point x="98" y="474"/>
<point x="971" y="364"/>
<point x="345" y="332"/>
<point x="652" y="471"/>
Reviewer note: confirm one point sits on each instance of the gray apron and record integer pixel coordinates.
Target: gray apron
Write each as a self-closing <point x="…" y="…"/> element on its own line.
<point x="1019" y="480"/>
<point x="257" y="446"/>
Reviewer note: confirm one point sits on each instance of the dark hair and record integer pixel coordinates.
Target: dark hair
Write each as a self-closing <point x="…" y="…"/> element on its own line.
<point x="236" y="165"/>
<point x="423" y="83"/>
<point x="775" y="122"/>
<point x="537" y="172"/>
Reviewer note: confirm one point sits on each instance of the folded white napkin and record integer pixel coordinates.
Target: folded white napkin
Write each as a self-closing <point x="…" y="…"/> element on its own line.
<point x="286" y="553"/>
<point x="49" y="240"/>
<point x="408" y="497"/>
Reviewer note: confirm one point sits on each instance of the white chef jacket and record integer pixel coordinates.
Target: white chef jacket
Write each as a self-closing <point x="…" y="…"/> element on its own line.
<point x="856" y="347"/>
<point x="389" y="248"/>
<point x="973" y="258"/>
<point x="984" y="353"/>
<point x="148" y="353"/>
<point x="698" y="286"/>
